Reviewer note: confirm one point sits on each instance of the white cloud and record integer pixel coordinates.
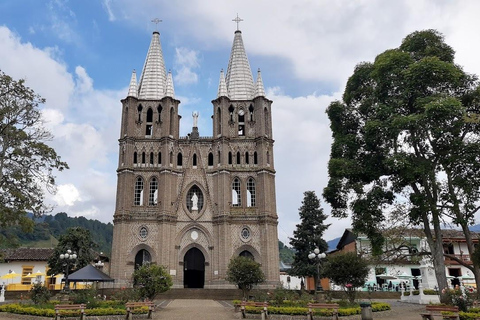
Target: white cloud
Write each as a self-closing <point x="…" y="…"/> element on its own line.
<point x="107" y="6"/>
<point x="67" y="195"/>
<point x="84" y="122"/>
<point x="185" y="61"/>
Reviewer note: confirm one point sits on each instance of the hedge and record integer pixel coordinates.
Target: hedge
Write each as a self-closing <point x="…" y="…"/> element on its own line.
<point x="43" y="312"/>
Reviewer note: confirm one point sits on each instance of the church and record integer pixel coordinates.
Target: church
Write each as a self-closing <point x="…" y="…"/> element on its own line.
<point x="193" y="203"/>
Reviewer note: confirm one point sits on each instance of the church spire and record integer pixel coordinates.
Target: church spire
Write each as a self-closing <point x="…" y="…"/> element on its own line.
<point x="259" y="89"/>
<point x="153" y="81"/>
<point x="239" y="78"/>
<point x="132" y="89"/>
<point x="222" y="86"/>
<point x="170" y="91"/>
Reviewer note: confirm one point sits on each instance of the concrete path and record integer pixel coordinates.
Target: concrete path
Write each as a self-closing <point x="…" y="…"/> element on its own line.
<point x="193" y="309"/>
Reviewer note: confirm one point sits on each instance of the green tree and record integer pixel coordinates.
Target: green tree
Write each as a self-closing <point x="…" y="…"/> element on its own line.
<point x="27" y="163"/>
<point x="150" y="280"/>
<point x="308" y="236"/>
<point x="245" y="273"/>
<point x="347" y="270"/>
<point x="77" y="240"/>
<point x="400" y="139"/>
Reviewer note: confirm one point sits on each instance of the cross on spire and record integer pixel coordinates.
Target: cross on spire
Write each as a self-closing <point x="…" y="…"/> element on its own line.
<point x="237" y="20"/>
<point x="156" y="21"/>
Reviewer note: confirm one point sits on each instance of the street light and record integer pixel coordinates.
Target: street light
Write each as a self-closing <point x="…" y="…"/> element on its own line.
<point x="69" y="257"/>
<point x="317" y="257"/>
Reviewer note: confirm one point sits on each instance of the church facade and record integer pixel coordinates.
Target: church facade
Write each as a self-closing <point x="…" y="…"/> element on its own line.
<point x="192" y="203"/>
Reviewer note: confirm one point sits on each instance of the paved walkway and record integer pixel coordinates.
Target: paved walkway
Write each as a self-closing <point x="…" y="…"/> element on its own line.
<point x="193" y="309"/>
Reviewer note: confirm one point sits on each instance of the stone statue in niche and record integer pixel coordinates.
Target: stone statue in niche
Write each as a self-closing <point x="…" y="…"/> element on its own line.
<point x="194" y="202"/>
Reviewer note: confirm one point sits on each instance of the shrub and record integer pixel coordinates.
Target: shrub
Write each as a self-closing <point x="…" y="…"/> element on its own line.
<point x="39" y="293"/>
<point x="430" y="292"/>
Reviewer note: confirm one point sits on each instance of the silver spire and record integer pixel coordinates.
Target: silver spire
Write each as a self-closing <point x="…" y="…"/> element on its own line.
<point x="132" y="89"/>
<point x="222" y="86"/>
<point x="239" y="78"/>
<point x="153" y="81"/>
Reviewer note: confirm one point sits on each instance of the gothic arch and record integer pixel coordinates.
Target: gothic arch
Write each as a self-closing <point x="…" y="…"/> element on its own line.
<point x="249" y="248"/>
<point x="187" y="228"/>
<point x="137" y="248"/>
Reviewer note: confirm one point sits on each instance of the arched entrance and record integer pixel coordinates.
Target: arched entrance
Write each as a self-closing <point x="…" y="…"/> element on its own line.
<point x="142" y="257"/>
<point x="193" y="269"/>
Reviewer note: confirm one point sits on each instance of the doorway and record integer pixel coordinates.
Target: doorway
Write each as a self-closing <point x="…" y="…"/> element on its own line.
<point x="194" y="269"/>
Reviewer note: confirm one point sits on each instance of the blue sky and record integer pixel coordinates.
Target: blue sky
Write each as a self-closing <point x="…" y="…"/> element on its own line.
<point x="79" y="55"/>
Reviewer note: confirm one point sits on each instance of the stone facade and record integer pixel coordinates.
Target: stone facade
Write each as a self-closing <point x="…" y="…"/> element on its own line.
<point x="231" y="173"/>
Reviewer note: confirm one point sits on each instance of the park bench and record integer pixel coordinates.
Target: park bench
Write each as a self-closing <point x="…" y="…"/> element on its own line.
<point x="77" y="307"/>
<point x="328" y="306"/>
<point x="263" y="305"/>
<point x="447" y="312"/>
<point x="131" y="306"/>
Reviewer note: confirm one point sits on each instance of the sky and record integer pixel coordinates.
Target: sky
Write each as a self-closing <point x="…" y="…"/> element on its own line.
<point x="79" y="55"/>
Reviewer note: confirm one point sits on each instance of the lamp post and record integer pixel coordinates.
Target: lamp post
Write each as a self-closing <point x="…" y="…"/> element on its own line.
<point x="317" y="257"/>
<point x="68" y="257"/>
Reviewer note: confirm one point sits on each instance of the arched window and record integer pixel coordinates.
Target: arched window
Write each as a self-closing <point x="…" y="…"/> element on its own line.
<point x="194" y="195"/>
<point x="179" y="159"/>
<point x="250" y="109"/>
<point x="149" y="115"/>
<point x="238" y="157"/>
<point x="236" y="193"/>
<point x="135" y="157"/>
<point x="151" y="158"/>
<point x="194" y="160"/>
<point x="246" y="254"/>
<point x="171" y="158"/>
<point x="143" y="157"/>
<point x="247" y="160"/>
<point x="172" y="120"/>
<point x="139" y="109"/>
<point x="251" y="193"/>
<point x="210" y="159"/>
<point x="219" y="121"/>
<point x="138" y="196"/>
<point x="153" y="192"/>
<point x="159" y="111"/>
<point x="241" y="122"/>
<point x="142" y="257"/>
<point x="148" y="127"/>
<point x="229" y="158"/>
<point x="230" y="110"/>
<point x="267" y="128"/>
<point x="159" y="158"/>
<point x="219" y="158"/>
<point x="268" y="157"/>
<point x="255" y="158"/>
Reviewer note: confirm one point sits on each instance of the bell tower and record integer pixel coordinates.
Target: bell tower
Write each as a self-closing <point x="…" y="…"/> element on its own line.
<point x="193" y="203"/>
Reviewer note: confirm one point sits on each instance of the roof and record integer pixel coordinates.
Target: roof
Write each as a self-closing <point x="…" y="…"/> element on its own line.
<point x="27" y="254"/>
<point x="154" y="77"/>
<point x="89" y="273"/>
<point x="239" y="78"/>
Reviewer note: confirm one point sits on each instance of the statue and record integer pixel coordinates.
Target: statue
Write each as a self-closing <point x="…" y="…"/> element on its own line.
<point x="194" y="202"/>
<point x="195" y="119"/>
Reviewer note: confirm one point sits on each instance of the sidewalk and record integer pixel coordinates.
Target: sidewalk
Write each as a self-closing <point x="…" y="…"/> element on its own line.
<point x="193" y="309"/>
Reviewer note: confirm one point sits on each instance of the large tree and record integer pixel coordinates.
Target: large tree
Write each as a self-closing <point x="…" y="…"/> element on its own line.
<point x="403" y="136"/>
<point x="150" y="280"/>
<point x="347" y="270"/>
<point x="27" y="163"/>
<point x="308" y="236"/>
<point x="77" y="240"/>
<point x="245" y="273"/>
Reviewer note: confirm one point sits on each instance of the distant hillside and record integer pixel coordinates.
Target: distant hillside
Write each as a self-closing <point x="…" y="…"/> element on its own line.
<point x="48" y="228"/>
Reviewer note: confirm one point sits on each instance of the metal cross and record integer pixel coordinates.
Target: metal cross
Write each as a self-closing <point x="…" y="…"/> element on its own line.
<point x="156" y="21"/>
<point x="237" y="20"/>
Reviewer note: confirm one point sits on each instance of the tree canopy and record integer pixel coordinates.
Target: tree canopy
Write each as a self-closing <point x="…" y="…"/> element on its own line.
<point x="400" y="136"/>
<point x="77" y="240"/>
<point x="27" y="163"/>
<point x="308" y="236"/>
<point x="347" y="270"/>
<point x="150" y="280"/>
<point x="245" y="273"/>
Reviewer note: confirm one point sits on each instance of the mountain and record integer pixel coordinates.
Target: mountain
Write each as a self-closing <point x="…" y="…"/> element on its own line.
<point x="49" y="228"/>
